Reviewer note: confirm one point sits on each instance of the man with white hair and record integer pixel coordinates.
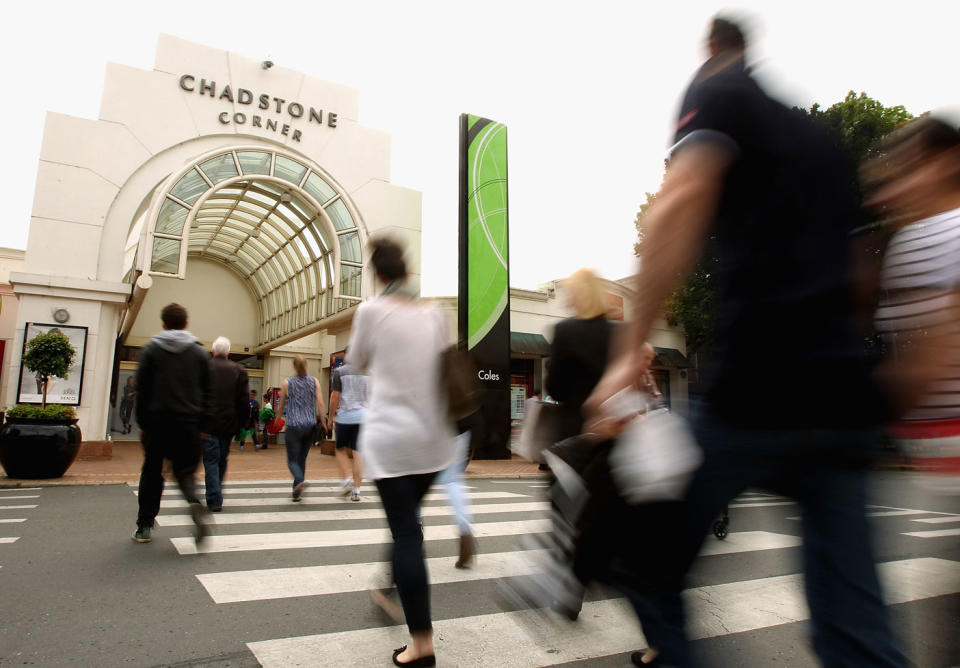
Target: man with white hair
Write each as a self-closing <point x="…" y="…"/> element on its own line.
<point x="228" y="415"/>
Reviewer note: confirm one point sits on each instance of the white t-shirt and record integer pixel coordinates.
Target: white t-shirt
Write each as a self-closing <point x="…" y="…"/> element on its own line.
<point x="398" y="341"/>
<point x="921" y="270"/>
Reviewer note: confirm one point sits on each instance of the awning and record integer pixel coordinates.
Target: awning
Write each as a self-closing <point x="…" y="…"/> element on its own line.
<point x="522" y="343"/>
<point x="671" y="357"/>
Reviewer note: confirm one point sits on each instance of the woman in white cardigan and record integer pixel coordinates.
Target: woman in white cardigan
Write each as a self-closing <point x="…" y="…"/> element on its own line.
<point x="406" y="437"/>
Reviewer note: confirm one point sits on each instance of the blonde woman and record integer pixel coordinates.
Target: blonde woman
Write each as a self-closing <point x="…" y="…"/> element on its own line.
<point x="579" y="350"/>
<point x="300" y="395"/>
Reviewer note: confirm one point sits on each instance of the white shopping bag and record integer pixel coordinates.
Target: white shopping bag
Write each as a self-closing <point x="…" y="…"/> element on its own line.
<point x="654" y="458"/>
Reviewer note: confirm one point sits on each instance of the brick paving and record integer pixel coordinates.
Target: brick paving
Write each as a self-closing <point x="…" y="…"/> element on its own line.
<point x="248" y="464"/>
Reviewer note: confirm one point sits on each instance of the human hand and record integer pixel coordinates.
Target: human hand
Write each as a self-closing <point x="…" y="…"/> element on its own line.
<point x="621" y="373"/>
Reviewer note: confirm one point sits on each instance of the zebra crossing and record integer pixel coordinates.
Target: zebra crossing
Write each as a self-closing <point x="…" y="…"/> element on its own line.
<point x="340" y="548"/>
<point x="12" y="499"/>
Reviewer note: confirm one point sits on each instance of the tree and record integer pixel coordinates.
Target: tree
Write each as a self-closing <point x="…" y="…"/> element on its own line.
<point x="49" y="354"/>
<point x="857" y="124"/>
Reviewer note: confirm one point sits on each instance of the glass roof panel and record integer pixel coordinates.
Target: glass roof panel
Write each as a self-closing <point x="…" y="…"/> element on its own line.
<point x="190" y="186"/>
<point x="254" y="162"/>
<point x="301" y="248"/>
<point x="289" y="170"/>
<point x="270" y="188"/>
<point x="171" y="218"/>
<point x="311" y="241"/>
<point x="319" y="189"/>
<point x="350" y="247"/>
<point x="263" y="199"/>
<point x="340" y="216"/>
<point x="322" y="271"/>
<point x="300" y="208"/>
<point x="291" y="218"/>
<point x="165" y="256"/>
<point x="349" y="280"/>
<point x="281" y="225"/>
<point x="220" y="168"/>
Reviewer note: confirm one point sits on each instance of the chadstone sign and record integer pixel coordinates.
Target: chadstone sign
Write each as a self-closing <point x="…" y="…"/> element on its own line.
<point x="265" y="102"/>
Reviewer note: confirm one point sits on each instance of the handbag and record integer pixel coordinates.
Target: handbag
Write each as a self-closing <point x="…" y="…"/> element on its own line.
<point x="539" y="431"/>
<point x="654" y="458"/>
<point x="458" y="380"/>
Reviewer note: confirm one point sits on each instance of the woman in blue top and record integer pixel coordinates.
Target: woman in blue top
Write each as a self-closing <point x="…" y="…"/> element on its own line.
<point x="300" y="395"/>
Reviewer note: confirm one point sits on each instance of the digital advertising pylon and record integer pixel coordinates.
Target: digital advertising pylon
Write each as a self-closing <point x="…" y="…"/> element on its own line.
<point x="484" y="291"/>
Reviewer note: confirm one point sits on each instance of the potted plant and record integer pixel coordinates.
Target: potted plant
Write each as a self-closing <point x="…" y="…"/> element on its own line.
<point x="42" y="441"/>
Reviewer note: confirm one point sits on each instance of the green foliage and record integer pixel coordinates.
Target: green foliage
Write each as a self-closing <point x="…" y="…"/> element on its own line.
<point x="49" y="354"/>
<point x="857" y="123"/>
<point x="51" y="412"/>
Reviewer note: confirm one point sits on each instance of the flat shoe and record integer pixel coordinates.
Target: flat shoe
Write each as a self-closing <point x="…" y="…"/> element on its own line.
<point x="421" y="662"/>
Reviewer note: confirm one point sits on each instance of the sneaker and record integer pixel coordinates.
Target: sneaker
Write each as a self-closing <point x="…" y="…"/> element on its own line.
<point x="215" y="509"/>
<point x="355" y="494"/>
<point x="241" y="446"/>
<point x="346" y="486"/>
<point x="199" y="515"/>
<point x="142" y="535"/>
<point x="298" y="492"/>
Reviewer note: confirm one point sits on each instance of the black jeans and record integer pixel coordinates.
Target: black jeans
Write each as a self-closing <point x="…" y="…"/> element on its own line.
<point x="401" y="498"/>
<point x="174" y="438"/>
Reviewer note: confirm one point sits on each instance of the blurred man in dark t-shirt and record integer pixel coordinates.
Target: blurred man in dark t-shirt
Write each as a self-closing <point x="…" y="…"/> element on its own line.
<point x="791" y="403"/>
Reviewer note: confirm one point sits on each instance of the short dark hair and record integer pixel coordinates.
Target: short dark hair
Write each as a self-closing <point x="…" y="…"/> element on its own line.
<point x="387" y="259"/>
<point x="174" y="316"/>
<point x="726" y="35"/>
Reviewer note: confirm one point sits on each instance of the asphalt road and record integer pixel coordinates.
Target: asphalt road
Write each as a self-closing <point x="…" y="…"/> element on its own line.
<point x="286" y="584"/>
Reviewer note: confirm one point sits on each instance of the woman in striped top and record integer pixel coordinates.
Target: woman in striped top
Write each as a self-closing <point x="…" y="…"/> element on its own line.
<point x="919" y="312"/>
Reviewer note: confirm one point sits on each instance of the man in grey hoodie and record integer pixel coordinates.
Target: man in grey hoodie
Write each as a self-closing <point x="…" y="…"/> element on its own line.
<point x="173" y="382"/>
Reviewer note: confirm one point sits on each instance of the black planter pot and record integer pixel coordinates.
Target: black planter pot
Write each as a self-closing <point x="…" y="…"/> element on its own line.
<point x="38" y="448"/>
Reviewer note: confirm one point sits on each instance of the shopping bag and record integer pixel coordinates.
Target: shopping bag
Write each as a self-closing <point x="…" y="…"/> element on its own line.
<point x="275" y="425"/>
<point x="538" y="432"/>
<point x="654" y="458"/>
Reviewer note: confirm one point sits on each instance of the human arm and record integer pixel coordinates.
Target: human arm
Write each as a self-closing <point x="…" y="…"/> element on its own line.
<point x="144" y="383"/>
<point x="321" y="416"/>
<point x="241" y="399"/>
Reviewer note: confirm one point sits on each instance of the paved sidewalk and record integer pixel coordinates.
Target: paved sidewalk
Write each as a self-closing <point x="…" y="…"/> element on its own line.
<point x="248" y="464"/>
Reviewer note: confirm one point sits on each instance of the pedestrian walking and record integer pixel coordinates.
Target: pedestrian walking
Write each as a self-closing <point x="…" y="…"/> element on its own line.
<point x="252" y="424"/>
<point x="300" y="396"/>
<point x="173" y="383"/>
<point x="348" y="403"/>
<point x="406" y="437"/>
<point x="127" y="402"/>
<point x="229" y="411"/>
<point x="773" y="192"/>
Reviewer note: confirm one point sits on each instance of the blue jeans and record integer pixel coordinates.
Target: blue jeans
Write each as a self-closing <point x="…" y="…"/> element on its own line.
<point x="215" y="451"/>
<point x="452" y="480"/>
<point x="298" y="443"/>
<point x="824" y="470"/>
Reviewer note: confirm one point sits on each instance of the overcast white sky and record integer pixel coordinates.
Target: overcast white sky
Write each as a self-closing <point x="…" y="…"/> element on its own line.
<point x="588" y="91"/>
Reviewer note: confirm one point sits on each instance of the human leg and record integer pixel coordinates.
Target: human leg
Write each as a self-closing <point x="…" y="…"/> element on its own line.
<point x="849" y="622"/>
<point x="295" y="440"/>
<point x="151" y="481"/>
<point x="211" y="471"/>
<point x="401" y="497"/>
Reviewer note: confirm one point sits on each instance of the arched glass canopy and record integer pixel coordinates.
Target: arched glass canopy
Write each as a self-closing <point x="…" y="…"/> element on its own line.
<point x="278" y="223"/>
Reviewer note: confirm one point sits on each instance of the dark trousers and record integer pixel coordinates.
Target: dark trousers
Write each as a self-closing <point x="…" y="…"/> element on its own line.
<point x="167" y="437"/>
<point x="401" y="499"/>
<point x="298" y="444"/>
<point x="824" y="470"/>
<point x="215" y="452"/>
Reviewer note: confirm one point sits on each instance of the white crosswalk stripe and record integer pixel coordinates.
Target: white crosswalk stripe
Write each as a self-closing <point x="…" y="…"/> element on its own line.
<point x="8" y="540"/>
<point x="339" y="515"/>
<point x="506" y="639"/>
<point x="336" y="554"/>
